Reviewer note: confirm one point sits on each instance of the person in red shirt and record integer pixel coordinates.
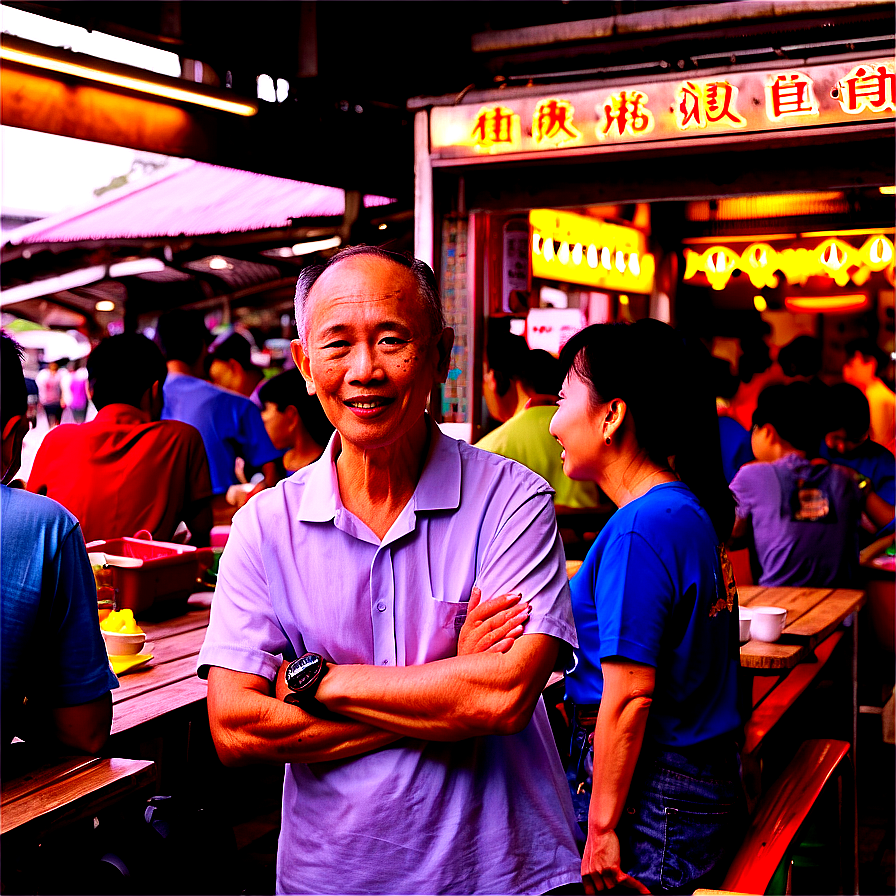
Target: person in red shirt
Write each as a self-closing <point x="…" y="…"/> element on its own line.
<point x="127" y="469"/>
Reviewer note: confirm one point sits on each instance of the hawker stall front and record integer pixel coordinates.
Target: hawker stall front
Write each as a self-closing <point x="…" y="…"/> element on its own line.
<point x="756" y="196"/>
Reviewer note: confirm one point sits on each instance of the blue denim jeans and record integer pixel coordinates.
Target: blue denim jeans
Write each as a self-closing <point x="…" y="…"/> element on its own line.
<point x="684" y="816"/>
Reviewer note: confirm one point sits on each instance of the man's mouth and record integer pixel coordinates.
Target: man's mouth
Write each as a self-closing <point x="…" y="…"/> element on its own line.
<point x="367" y="404"/>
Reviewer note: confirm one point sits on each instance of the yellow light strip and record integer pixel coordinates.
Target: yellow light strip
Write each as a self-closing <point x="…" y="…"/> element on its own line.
<point x="754" y="238"/>
<point x="887" y="191"/>
<point x="766" y="237"/>
<point x="841" y="233"/>
<point x="143" y="85"/>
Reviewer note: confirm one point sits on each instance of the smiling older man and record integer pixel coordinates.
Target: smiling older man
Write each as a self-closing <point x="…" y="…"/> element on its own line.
<point x="420" y="758"/>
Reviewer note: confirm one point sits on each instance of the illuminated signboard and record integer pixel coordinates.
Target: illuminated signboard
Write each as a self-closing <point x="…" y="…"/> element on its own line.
<point x="628" y="114"/>
<point x="832" y="257"/>
<point x="574" y="248"/>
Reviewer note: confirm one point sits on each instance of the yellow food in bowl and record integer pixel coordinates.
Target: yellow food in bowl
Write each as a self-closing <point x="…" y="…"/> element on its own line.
<point x="121" y="622"/>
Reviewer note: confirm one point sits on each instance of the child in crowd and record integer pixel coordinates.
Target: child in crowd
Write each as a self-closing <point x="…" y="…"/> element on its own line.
<point x="800" y="513"/>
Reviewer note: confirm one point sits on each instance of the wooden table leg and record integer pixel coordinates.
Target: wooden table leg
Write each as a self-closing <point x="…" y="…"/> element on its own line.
<point x="852" y="791"/>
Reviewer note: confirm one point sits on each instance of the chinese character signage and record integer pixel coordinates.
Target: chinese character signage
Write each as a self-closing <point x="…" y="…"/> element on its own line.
<point x="574" y="248"/>
<point x="712" y="106"/>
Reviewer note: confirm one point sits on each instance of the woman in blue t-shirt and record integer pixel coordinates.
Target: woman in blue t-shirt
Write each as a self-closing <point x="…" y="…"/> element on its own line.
<point x="655" y="676"/>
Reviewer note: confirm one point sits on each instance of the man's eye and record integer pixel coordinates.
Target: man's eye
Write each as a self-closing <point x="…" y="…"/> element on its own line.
<point x="393" y="340"/>
<point x="337" y="343"/>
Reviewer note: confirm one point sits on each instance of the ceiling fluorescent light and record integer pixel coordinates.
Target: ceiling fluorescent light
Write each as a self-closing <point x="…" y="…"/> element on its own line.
<point x="92" y="69"/>
<point x="82" y="277"/>
<point x="136" y="266"/>
<point x="39" y="288"/>
<point x="316" y="246"/>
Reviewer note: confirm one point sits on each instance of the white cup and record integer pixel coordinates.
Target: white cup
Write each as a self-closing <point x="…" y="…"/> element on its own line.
<point x="744" y="622"/>
<point x="767" y="623"/>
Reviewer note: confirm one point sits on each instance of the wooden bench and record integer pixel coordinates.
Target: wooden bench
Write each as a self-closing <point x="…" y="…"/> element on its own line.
<point x="775" y="825"/>
<point x="61" y="792"/>
<point x="774" y="695"/>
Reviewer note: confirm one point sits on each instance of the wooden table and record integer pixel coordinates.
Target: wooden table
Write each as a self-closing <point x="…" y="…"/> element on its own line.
<point x="812" y="615"/>
<point x="156" y="706"/>
<point x="168" y="682"/>
<point x="60" y="791"/>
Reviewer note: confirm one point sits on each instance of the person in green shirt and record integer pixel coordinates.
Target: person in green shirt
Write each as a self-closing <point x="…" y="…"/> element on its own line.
<point x="520" y="386"/>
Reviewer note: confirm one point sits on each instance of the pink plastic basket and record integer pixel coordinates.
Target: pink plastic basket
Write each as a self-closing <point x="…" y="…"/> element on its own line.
<point x="166" y="571"/>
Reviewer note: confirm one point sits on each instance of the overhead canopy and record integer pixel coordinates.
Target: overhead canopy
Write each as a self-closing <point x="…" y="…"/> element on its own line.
<point x="189" y="234"/>
<point x="188" y="198"/>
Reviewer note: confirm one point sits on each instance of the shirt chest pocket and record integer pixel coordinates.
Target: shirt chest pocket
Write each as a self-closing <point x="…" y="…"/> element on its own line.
<point x="448" y="614"/>
<point x="434" y="633"/>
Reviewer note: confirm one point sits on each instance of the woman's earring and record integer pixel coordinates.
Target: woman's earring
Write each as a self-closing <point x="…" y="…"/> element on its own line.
<point x="607" y="440"/>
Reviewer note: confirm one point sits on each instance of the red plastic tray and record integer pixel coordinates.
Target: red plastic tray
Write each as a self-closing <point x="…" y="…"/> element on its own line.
<point x="167" y="571"/>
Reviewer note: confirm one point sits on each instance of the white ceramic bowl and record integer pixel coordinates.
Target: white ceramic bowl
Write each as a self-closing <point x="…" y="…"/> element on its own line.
<point x="123" y="644"/>
<point x="768" y="623"/>
<point x="745" y="619"/>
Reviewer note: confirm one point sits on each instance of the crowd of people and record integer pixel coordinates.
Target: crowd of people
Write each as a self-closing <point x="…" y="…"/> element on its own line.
<point x="392" y="602"/>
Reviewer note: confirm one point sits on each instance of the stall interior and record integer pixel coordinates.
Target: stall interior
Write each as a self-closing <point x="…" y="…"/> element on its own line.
<point x="733" y="270"/>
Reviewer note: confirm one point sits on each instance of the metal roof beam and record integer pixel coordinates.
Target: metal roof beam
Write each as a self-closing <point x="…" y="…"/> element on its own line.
<point x="662" y="21"/>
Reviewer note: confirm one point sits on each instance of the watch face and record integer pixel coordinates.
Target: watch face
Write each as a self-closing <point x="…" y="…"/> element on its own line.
<point x="303" y="672"/>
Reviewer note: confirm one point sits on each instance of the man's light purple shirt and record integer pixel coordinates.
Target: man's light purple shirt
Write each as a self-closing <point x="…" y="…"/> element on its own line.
<point x="300" y="573"/>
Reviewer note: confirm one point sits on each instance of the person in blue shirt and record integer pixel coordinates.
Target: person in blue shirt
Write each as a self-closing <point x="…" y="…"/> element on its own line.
<point x="230" y="424"/>
<point x="655" y="607"/>
<point x="848" y="441"/>
<point x="55" y="672"/>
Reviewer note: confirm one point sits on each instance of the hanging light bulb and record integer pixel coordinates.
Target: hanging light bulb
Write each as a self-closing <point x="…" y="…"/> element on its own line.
<point x="620" y="262"/>
<point x="634" y="265"/>
<point x="577" y="253"/>
<point x="591" y="255"/>
<point x="605" y="257"/>
<point x="548" y="249"/>
<point x="563" y="253"/>
<point x="536" y="243"/>
<point x="881" y="251"/>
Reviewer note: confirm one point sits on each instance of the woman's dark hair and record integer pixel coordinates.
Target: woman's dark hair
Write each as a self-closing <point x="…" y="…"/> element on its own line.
<point x="665" y="382"/>
<point x="121" y="368"/>
<point x="288" y="389"/>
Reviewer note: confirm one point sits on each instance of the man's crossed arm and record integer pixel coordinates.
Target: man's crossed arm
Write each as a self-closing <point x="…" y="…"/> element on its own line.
<point x="490" y="687"/>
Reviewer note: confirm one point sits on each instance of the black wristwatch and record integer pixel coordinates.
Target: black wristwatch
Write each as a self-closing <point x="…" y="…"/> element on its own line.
<point x="303" y="677"/>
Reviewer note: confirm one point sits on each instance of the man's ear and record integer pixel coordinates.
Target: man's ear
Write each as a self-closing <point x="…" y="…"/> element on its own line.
<point x="10" y="426"/>
<point x="11" y="447"/>
<point x="444" y="345"/>
<point x="300" y="356"/>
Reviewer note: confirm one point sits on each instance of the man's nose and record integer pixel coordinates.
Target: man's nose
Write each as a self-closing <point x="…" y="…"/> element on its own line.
<point x="365" y="365"/>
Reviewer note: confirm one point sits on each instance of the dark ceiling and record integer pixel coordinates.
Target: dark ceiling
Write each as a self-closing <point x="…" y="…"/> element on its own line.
<point x="352" y="66"/>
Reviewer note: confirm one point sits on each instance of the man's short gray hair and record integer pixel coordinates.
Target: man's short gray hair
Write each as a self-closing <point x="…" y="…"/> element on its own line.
<point x="427" y="288"/>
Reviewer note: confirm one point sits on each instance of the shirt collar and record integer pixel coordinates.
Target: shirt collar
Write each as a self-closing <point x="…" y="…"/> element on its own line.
<point x="438" y="488"/>
<point x="542" y="401"/>
<point x="122" y="413"/>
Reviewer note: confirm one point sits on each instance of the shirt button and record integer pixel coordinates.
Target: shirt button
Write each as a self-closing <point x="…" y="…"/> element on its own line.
<point x="381" y="607"/>
<point x="385" y="662"/>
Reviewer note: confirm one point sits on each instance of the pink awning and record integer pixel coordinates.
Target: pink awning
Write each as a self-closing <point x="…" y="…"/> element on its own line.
<point x="191" y="198"/>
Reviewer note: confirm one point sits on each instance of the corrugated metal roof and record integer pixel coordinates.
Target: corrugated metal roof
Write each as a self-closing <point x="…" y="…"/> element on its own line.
<point x="191" y="198"/>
